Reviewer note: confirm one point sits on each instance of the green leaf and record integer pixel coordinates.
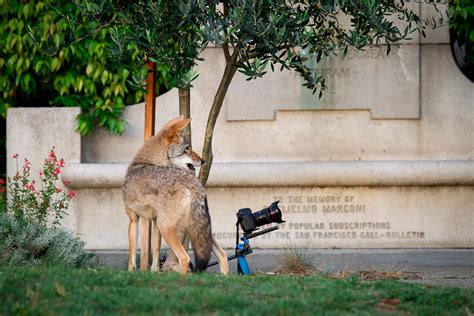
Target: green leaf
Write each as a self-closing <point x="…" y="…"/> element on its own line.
<point x="125" y="74"/>
<point x="19" y="63"/>
<point x="79" y="84"/>
<point x="26" y="82"/>
<point x="3" y="83"/>
<point x="57" y="40"/>
<point x="55" y="64"/>
<point x="27" y="10"/>
<point x="89" y="69"/>
<point x="104" y="77"/>
<point x="97" y="73"/>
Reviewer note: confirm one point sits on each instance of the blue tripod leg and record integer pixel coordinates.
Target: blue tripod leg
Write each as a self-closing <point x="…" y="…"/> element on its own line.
<point x="242" y="266"/>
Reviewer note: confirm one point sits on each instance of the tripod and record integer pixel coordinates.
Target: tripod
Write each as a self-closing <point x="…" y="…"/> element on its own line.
<point x="242" y="249"/>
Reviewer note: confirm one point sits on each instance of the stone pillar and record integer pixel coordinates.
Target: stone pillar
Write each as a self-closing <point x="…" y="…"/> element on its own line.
<point x="32" y="132"/>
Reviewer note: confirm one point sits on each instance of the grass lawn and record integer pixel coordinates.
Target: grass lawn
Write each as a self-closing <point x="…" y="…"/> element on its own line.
<point x="53" y="291"/>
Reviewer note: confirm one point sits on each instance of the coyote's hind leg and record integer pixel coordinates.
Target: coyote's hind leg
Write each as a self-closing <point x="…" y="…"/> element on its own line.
<point x="221" y="256"/>
<point x="174" y="242"/>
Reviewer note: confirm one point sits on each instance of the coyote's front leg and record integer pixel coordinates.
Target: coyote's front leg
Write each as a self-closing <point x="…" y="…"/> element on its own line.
<point x="132" y="239"/>
<point x="156" y="246"/>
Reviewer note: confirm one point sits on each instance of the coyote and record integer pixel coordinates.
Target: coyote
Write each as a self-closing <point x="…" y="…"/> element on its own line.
<point x="173" y="198"/>
<point x="191" y="160"/>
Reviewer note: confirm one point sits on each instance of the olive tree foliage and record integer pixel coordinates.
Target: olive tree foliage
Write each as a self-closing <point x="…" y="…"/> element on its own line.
<point x="254" y="35"/>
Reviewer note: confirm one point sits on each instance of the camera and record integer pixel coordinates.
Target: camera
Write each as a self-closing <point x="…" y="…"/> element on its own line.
<point x="250" y="221"/>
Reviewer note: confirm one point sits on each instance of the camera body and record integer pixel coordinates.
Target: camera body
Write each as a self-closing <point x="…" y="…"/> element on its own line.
<point x="250" y="221"/>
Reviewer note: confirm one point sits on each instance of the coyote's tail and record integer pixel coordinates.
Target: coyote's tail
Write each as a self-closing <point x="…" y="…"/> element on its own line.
<point x="200" y="234"/>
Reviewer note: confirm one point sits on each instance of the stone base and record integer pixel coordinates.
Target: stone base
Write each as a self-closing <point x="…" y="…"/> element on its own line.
<point x="334" y="212"/>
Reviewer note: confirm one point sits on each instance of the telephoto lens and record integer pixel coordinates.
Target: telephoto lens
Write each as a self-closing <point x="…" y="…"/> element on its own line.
<point x="250" y="221"/>
<point x="271" y="214"/>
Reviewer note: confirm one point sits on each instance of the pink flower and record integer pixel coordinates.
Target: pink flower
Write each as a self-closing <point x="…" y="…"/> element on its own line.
<point x="2" y="190"/>
<point x="52" y="154"/>
<point x="71" y="194"/>
<point x="66" y="182"/>
<point x="15" y="156"/>
<point x="41" y="173"/>
<point x="27" y="166"/>
<point x="56" y="172"/>
<point x="31" y="187"/>
<point x="2" y="181"/>
<point x="60" y="164"/>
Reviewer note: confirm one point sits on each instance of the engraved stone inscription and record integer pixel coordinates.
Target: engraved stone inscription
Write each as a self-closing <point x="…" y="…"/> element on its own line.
<point x="326" y="204"/>
<point x="326" y="217"/>
<point x="350" y="217"/>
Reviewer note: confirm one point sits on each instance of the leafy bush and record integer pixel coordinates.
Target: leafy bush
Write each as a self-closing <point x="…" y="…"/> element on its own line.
<point x="30" y="243"/>
<point x="39" y="68"/>
<point x="29" y="225"/>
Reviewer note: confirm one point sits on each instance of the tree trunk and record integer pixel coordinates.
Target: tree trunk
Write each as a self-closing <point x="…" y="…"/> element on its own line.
<point x="185" y="109"/>
<point x="229" y="72"/>
<point x="149" y="129"/>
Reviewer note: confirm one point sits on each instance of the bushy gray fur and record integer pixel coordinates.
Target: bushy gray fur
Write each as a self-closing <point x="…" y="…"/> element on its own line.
<point x="200" y="234"/>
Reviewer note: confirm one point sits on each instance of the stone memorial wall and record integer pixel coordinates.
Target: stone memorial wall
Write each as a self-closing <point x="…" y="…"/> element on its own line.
<point x="384" y="160"/>
<point x="369" y="70"/>
<point x="358" y="217"/>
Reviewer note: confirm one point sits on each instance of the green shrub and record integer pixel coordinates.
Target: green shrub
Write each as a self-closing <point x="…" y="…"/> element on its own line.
<point x="29" y="225"/>
<point x="38" y="67"/>
<point x="31" y="243"/>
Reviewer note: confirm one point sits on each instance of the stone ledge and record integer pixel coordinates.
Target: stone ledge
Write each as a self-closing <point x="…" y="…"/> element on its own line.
<point x="299" y="174"/>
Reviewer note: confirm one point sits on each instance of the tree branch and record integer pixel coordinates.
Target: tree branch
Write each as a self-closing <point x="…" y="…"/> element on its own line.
<point x="225" y="46"/>
<point x="207" y="155"/>
<point x="185" y="110"/>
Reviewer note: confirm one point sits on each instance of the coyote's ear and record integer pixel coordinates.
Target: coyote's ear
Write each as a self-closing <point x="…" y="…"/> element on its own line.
<point x="173" y="122"/>
<point x="174" y="130"/>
